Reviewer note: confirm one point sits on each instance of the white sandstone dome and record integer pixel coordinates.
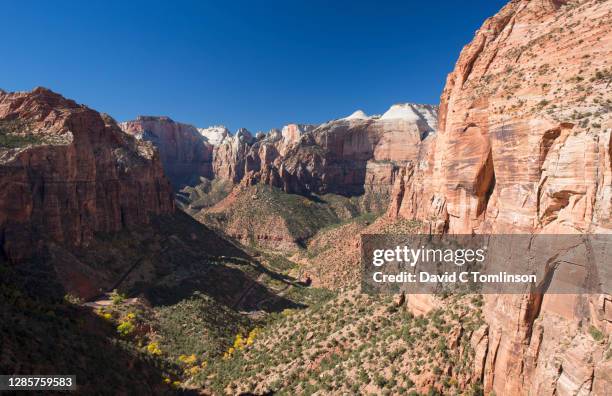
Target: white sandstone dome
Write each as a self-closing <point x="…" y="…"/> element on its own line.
<point x="357" y="115"/>
<point x="412" y="113"/>
<point x="214" y="134"/>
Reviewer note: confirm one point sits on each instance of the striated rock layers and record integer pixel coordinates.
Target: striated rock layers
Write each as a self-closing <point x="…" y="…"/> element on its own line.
<point x="351" y="156"/>
<point x="524" y="146"/>
<point x="185" y="151"/>
<point x="67" y="172"/>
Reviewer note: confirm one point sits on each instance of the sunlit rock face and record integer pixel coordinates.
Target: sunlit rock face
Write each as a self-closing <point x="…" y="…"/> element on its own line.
<point x="524" y="146"/>
<point x="358" y="155"/>
<point x="77" y="175"/>
<point x="214" y="134"/>
<point x="355" y="156"/>
<point x="186" y="153"/>
<point x="524" y="137"/>
<point x="291" y="133"/>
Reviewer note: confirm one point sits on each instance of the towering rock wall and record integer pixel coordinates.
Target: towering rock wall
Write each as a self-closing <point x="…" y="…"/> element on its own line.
<point x="185" y="152"/>
<point x="230" y="156"/>
<point x="67" y="172"/>
<point x="351" y="156"/>
<point x="524" y="146"/>
<point x="524" y="127"/>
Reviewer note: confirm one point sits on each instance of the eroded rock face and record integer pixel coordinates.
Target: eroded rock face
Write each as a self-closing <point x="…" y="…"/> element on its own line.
<point x="78" y="174"/>
<point x="351" y="156"/>
<point x="291" y="133"/>
<point x="354" y="156"/>
<point x="186" y="153"/>
<point x="230" y="156"/>
<point x="524" y="146"/>
<point x="524" y="140"/>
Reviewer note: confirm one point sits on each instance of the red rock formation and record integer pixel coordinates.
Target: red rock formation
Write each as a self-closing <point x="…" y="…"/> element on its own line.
<point x="524" y="146"/>
<point x="350" y="156"/>
<point x="355" y="155"/>
<point x="524" y="126"/>
<point x="185" y="154"/>
<point x="292" y="133"/>
<point x="230" y="157"/>
<point x="76" y="175"/>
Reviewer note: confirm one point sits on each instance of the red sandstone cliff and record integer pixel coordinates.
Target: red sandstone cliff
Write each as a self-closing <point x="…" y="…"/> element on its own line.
<point x="70" y="172"/>
<point x="354" y="156"/>
<point x="524" y="140"/>
<point x="185" y="154"/>
<point x="524" y="146"/>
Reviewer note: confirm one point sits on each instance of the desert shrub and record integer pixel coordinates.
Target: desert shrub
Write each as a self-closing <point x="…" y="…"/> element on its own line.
<point x="15" y="133"/>
<point x="475" y="390"/>
<point x="116" y="297"/>
<point x="126" y="328"/>
<point x="596" y="333"/>
<point x="105" y="315"/>
<point x="542" y="103"/>
<point x="433" y="392"/>
<point x="380" y="381"/>
<point x="188" y="360"/>
<point x="72" y="299"/>
<point x="153" y="349"/>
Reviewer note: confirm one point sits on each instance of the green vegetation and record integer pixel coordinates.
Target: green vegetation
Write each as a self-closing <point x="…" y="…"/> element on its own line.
<point x="197" y="325"/>
<point x="278" y="262"/>
<point x="186" y="337"/>
<point x="44" y="333"/>
<point x="14" y="134"/>
<point x="361" y="219"/>
<point x="116" y="297"/>
<point x="16" y="141"/>
<point x="339" y="345"/>
<point x="596" y="333"/>
<point x="543" y="103"/>
<point x="205" y="194"/>
<point x="293" y="217"/>
<point x="125" y="328"/>
<point x="604" y="76"/>
<point x="198" y="291"/>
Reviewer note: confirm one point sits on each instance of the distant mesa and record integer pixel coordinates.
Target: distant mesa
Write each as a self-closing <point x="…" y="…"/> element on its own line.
<point x="185" y="153"/>
<point x="285" y="158"/>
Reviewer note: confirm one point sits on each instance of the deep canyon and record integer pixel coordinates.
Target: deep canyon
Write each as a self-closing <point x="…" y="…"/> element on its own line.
<point x="242" y="249"/>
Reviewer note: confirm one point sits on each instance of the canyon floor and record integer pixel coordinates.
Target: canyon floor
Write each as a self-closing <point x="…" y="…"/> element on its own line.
<point x="173" y="317"/>
<point x="240" y="318"/>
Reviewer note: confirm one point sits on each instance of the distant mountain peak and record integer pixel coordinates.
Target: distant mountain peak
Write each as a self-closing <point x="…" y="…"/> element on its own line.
<point x="214" y="134"/>
<point x="357" y="115"/>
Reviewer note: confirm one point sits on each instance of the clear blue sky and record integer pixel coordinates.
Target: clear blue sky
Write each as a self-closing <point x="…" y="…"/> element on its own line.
<point x="253" y="64"/>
